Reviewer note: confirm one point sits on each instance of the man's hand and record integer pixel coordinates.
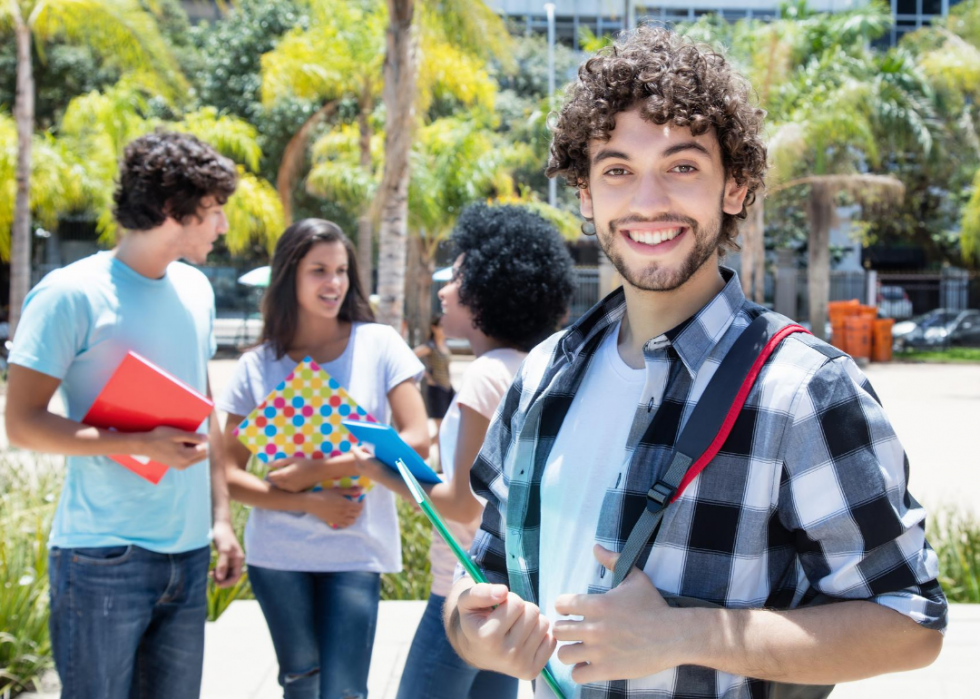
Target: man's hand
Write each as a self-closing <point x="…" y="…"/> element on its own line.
<point x="513" y="639"/>
<point x="625" y="633"/>
<point x="333" y="507"/>
<point x="228" y="569"/>
<point x="295" y="474"/>
<point x="171" y="447"/>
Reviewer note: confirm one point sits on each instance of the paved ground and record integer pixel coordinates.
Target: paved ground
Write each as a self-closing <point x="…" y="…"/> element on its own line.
<point x="239" y="661"/>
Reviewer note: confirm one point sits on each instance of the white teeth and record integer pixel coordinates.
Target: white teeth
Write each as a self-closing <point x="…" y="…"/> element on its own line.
<point x="655" y="237"/>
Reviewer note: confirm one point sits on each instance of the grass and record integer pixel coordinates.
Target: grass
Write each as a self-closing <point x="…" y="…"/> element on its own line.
<point x="953" y="355"/>
<point x="27" y="502"/>
<point x="956" y="537"/>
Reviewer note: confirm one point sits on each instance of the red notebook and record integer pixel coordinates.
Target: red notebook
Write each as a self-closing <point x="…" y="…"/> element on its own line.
<point x="141" y="396"/>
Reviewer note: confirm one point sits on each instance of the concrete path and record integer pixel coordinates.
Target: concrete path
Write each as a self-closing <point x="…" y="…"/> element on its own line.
<point x="239" y="661"/>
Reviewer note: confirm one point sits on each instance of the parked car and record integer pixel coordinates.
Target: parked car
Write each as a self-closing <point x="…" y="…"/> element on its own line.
<point x="939" y="328"/>
<point x="893" y="302"/>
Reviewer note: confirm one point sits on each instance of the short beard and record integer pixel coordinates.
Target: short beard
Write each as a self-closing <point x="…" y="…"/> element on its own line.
<point x="654" y="277"/>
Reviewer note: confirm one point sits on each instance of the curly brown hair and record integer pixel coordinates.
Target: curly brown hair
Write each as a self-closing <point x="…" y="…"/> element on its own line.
<point x="672" y="80"/>
<point x="168" y="174"/>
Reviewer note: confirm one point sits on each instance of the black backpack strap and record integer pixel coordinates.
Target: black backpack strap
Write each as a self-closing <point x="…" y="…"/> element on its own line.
<point x="707" y="428"/>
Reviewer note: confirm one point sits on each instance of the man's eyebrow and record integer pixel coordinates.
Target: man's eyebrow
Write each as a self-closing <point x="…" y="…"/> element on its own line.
<point x="686" y="145"/>
<point x="608" y="154"/>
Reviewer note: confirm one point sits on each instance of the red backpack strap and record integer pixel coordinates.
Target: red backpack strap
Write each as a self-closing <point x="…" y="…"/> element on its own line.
<point x="707" y="428"/>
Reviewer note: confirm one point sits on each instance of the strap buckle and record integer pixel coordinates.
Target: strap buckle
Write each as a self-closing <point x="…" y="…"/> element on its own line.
<point x="659" y="496"/>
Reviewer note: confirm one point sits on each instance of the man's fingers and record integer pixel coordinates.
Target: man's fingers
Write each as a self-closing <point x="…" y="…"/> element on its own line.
<point x="570" y="630"/>
<point x="188" y="437"/>
<point x="572" y="653"/>
<point x="584" y="673"/>
<point x="221" y="568"/>
<point x="577" y="605"/>
<point x="544" y="652"/>
<point x="482" y="596"/>
<point x="522" y="631"/>
<point x="606" y="557"/>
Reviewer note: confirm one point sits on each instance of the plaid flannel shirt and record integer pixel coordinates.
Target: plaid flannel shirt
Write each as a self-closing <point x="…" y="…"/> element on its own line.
<point x="806" y="498"/>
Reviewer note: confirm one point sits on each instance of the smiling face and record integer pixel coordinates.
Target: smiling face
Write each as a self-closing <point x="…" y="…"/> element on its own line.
<point x="197" y="234"/>
<point x="657" y="195"/>
<point x="322" y="281"/>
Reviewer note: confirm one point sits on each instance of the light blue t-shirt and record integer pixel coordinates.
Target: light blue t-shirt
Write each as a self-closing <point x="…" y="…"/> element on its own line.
<point x="375" y="360"/>
<point x="77" y="325"/>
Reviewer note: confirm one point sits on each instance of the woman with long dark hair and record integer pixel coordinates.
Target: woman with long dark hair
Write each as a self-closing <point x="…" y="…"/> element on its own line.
<point x="315" y="556"/>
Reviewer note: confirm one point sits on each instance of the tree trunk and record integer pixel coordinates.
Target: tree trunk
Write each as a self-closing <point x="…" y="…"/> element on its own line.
<point x="293" y="158"/>
<point x="20" y="234"/>
<point x="820" y="211"/>
<point x="753" y="272"/>
<point x="414" y="312"/>
<point x="398" y="95"/>
<point x="365" y="229"/>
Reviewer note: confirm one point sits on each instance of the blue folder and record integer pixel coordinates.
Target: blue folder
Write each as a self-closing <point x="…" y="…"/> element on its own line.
<point x="389" y="448"/>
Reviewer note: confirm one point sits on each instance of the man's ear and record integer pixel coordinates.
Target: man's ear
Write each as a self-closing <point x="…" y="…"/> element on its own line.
<point x="585" y="203"/>
<point x="734" y="196"/>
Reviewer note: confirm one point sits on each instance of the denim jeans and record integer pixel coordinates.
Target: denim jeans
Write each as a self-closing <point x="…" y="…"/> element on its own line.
<point x="434" y="671"/>
<point x="127" y="623"/>
<point x="322" y="627"/>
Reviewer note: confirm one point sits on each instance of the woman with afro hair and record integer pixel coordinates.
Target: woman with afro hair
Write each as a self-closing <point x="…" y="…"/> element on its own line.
<point x="511" y="284"/>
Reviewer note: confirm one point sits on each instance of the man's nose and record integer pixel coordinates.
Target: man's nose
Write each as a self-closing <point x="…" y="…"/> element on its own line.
<point x="650" y="197"/>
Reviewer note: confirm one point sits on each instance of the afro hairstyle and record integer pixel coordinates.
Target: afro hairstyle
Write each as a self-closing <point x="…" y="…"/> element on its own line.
<point x="515" y="276"/>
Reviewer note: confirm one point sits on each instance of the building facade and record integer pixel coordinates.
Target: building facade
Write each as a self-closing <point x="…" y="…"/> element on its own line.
<point x="611" y="16"/>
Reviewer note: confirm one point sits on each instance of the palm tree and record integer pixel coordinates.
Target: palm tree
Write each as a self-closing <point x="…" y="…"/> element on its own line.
<point x="117" y="28"/>
<point x="340" y="57"/>
<point x="468" y="24"/>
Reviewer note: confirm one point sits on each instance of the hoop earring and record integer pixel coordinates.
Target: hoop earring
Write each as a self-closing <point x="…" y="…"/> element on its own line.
<point x="588" y="228"/>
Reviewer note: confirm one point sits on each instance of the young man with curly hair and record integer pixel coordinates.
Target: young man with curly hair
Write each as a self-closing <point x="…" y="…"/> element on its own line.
<point x="128" y="560"/>
<point x="805" y="503"/>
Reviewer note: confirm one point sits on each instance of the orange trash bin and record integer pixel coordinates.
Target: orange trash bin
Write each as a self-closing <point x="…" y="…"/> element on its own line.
<point x="837" y="312"/>
<point x="881" y="344"/>
<point x="857" y="331"/>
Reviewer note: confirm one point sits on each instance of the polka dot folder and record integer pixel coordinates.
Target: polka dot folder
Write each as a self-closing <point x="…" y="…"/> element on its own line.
<point x="301" y="417"/>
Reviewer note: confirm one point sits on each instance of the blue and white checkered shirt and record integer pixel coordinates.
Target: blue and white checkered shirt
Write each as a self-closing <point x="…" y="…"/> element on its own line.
<point x="806" y="498"/>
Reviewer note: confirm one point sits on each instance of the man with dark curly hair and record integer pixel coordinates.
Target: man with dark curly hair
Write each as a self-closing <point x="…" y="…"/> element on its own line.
<point x="128" y="559"/>
<point x="804" y="502"/>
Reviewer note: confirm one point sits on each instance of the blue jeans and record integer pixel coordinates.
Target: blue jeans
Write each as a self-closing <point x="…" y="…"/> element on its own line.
<point x="127" y="623"/>
<point x="434" y="671"/>
<point x="322" y="626"/>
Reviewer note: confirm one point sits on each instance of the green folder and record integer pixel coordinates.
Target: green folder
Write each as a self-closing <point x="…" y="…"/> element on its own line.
<point x="462" y="555"/>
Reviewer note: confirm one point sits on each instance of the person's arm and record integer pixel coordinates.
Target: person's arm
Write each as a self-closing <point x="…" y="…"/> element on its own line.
<point x="453" y="498"/>
<point x="864" y="548"/>
<point x="827" y="644"/>
<point x="30" y="425"/>
<point x="329" y="505"/>
<point x="231" y="558"/>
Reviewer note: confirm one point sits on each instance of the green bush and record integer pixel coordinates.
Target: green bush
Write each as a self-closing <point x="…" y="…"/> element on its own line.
<point x="28" y="491"/>
<point x="416" y="577"/>
<point x="956" y="537"/>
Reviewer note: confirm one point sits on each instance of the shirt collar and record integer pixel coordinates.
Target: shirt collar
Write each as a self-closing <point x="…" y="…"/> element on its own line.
<point x="693" y="340"/>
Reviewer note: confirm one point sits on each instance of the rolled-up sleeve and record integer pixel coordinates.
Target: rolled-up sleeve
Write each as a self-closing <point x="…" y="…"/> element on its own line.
<point x="487" y="477"/>
<point x="859" y="533"/>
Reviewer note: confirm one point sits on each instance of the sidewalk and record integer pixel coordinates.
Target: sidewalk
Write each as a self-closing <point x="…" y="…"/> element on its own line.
<point x="239" y="662"/>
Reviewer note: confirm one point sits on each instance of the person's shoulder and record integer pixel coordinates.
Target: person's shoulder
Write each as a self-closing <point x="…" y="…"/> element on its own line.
<point x="183" y="273"/>
<point x="381" y="334"/>
<point x="77" y="280"/>
<point x="258" y="355"/>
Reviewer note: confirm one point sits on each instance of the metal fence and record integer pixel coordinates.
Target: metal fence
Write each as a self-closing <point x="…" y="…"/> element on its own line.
<point x="586" y="292"/>
<point x="844" y="285"/>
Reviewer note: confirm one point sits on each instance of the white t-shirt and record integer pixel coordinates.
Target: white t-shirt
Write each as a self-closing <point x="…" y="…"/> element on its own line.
<point x="375" y="360"/>
<point x="584" y="463"/>
<point x="485" y="384"/>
